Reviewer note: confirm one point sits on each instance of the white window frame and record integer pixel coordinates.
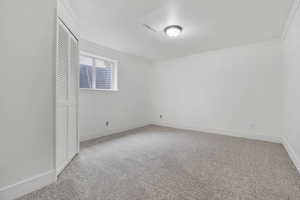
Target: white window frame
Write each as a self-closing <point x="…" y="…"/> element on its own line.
<point x="114" y="72"/>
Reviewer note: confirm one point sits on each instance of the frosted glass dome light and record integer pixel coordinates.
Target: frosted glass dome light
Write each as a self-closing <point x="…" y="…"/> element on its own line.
<point x="173" y="30"/>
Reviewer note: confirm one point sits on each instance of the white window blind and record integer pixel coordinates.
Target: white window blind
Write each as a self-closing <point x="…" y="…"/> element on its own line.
<point x="97" y="73"/>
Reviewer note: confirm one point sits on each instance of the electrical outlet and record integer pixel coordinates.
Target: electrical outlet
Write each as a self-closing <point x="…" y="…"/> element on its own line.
<point x="107" y="123"/>
<point x="160" y="116"/>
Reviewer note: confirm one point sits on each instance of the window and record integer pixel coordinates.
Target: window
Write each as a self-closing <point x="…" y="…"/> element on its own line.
<point x="97" y="73"/>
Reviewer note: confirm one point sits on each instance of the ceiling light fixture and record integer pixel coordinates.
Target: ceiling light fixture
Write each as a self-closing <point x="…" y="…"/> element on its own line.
<point x="173" y="30"/>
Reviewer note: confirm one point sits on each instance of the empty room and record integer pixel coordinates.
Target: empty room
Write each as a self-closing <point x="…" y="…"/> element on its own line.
<point x="150" y="100"/>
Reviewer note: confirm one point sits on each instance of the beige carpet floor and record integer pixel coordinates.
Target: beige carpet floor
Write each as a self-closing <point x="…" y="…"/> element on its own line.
<point x="168" y="164"/>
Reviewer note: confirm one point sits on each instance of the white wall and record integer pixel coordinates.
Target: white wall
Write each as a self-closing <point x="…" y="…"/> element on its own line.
<point x="233" y="91"/>
<point x="125" y="109"/>
<point x="27" y="89"/>
<point x="292" y="85"/>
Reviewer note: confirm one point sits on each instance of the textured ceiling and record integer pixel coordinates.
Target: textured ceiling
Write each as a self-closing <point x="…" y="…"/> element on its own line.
<point x="208" y="24"/>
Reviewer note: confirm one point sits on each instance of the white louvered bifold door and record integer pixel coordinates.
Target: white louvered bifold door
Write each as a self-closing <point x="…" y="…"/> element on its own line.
<point x="66" y="97"/>
<point x="73" y="97"/>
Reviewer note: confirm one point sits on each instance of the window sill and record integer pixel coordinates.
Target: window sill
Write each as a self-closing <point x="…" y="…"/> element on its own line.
<point x="99" y="90"/>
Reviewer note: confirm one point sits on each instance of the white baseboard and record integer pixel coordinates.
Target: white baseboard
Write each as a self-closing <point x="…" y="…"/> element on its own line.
<point x="28" y="185"/>
<point x="109" y="132"/>
<point x="292" y="153"/>
<point x="248" y="135"/>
